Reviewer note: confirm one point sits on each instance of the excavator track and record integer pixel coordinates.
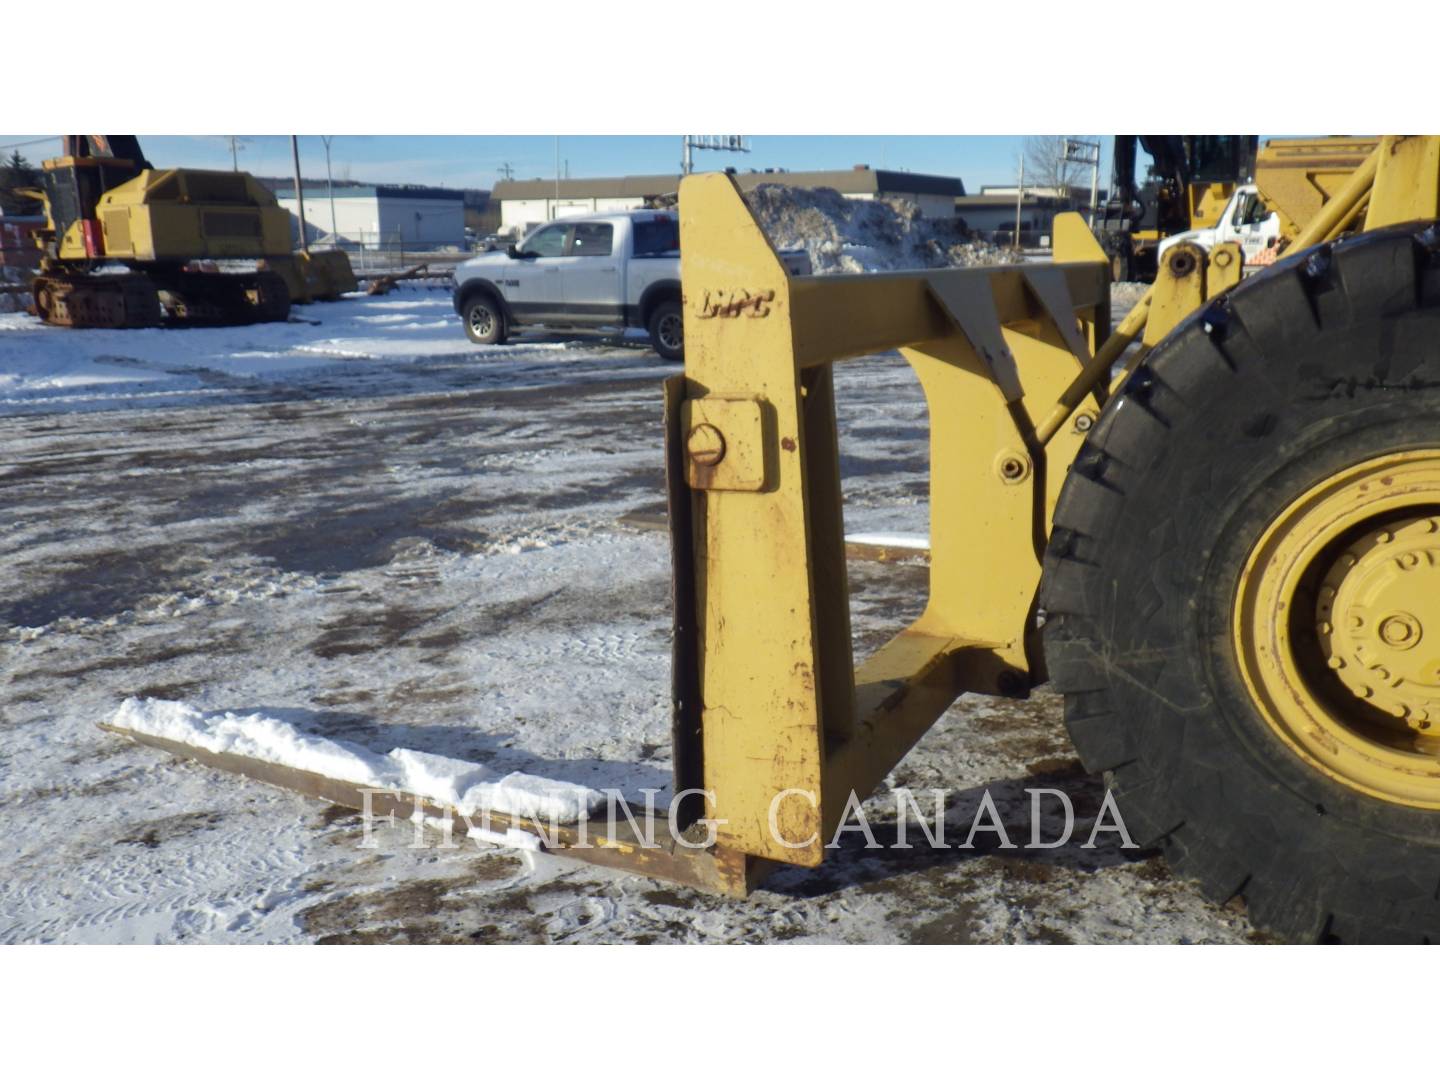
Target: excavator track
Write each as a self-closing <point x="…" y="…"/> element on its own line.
<point x="212" y="299"/>
<point x="96" y="301"/>
<point x="178" y="298"/>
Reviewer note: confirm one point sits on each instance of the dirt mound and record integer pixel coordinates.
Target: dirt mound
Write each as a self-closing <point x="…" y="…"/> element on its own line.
<point x="853" y="236"/>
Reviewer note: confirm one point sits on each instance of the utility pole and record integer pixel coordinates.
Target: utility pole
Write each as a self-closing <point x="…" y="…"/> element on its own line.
<point x="555" y="210"/>
<point x="299" y="192"/>
<point x="506" y="171"/>
<point x="1019" y="201"/>
<point x="234" y="152"/>
<point x="330" y="183"/>
<point x="1087" y="153"/>
<point x="737" y="144"/>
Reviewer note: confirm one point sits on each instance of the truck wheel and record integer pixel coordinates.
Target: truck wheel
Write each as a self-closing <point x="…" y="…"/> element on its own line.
<point x="667" y="330"/>
<point x="1242" y="594"/>
<point x="484" y="321"/>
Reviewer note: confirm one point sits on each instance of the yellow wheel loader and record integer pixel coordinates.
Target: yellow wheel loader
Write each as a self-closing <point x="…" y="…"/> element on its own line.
<point x="107" y="208"/>
<point x="1216" y="530"/>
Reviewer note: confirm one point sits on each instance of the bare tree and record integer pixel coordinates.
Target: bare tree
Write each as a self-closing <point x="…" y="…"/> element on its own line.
<point x="1045" y="164"/>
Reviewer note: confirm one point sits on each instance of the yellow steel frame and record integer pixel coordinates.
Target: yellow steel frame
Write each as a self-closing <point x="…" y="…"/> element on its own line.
<point x="781" y="707"/>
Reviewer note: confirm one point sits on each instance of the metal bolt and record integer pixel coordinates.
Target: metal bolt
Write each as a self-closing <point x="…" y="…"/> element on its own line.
<point x="1012" y="466"/>
<point x="706" y="445"/>
<point x="1084" y="422"/>
<point x="1400" y="631"/>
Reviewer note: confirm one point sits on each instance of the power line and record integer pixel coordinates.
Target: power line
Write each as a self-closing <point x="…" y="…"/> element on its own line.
<point x="32" y="142"/>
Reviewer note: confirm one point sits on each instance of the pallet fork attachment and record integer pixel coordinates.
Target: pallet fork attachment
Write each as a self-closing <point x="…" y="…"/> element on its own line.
<point x="772" y="715"/>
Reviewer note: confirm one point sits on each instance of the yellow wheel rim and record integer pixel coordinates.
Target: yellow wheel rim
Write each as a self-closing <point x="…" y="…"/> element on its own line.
<point x="1337" y="627"/>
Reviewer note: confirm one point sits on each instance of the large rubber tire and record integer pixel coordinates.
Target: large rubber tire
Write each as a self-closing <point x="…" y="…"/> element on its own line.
<point x="484" y="321"/>
<point x="1329" y="358"/>
<point x="667" y="330"/>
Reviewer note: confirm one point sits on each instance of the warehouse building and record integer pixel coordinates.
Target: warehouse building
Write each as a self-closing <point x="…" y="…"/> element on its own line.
<point x="381" y="215"/>
<point x="992" y="216"/>
<point x="527" y="203"/>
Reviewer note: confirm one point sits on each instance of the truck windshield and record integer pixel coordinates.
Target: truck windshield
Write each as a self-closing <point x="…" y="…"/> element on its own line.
<point x="658" y="237"/>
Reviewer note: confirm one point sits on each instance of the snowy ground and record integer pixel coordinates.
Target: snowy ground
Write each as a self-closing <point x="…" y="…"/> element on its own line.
<point x="370" y="528"/>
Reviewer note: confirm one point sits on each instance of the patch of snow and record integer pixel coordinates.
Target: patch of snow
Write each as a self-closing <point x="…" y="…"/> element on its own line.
<point x="42" y="366"/>
<point x="887" y="539"/>
<point x="467" y="786"/>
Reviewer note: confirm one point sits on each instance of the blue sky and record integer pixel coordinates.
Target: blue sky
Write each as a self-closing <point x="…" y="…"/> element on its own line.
<point x="475" y="160"/>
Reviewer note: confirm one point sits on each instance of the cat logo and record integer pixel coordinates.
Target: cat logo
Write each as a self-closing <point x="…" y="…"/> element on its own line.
<point x="731" y="303"/>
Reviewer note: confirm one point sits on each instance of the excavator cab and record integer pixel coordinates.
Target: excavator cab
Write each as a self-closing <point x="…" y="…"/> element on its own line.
<point x="73" y="183"/>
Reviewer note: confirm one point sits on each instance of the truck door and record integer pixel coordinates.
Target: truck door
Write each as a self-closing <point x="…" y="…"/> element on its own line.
<point x="1253" y="224"/>
<point x="593" y="285"/>
<point x="536" y="290"/>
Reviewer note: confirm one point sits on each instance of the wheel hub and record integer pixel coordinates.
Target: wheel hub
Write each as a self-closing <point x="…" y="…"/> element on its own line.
<point x="1375" y="606"/>
<point x="1336" y="627"/>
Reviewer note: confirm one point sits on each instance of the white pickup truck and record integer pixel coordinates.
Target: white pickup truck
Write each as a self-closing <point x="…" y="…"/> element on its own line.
<point x="619" y="269"/>
<point x="1245" y="219"/>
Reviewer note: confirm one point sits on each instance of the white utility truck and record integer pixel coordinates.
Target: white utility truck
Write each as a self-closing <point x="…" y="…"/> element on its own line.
<point x="1247" y="220"/>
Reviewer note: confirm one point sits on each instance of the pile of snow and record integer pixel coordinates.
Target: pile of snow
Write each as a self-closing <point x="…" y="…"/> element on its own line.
<point x="467" y="786"/>
<point x="851" y="236"/>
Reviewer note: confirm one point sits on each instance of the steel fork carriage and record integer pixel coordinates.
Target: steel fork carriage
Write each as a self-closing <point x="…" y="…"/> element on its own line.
<point x="771" y="715"/>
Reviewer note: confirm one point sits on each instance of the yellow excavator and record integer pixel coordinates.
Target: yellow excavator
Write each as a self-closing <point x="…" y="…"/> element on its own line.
<point x="108" y="208"/>
<point x="1215" y="528"/>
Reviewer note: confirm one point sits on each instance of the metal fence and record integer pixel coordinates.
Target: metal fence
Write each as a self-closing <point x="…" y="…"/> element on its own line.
<point x="378" y="253"/>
